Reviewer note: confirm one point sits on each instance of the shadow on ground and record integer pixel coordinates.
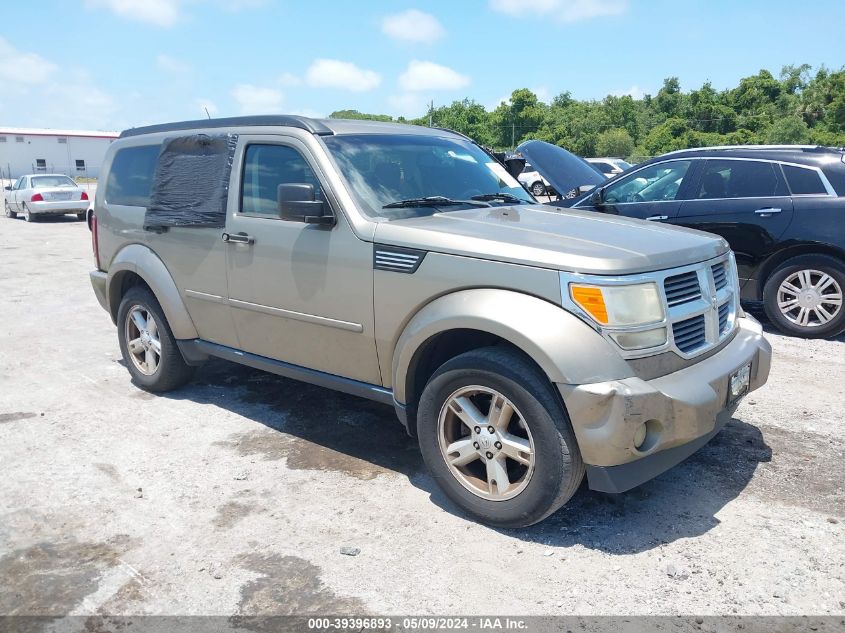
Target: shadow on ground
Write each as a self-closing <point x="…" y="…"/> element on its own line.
<point x="319" y="429"/>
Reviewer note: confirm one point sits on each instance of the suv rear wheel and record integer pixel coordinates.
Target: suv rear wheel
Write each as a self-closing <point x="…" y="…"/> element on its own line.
<point x="803" y="297"/>
<point x="496" y="438"/>
<point x="147" y="344"/>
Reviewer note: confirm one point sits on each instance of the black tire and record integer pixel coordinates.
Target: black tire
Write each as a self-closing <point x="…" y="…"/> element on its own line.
<point x="558" y="467"/>
<point x="816" y="328"/>
<point x="81" y="216"/>
<point x="538" y="188"/>
<point x="172" y="372"/>
<point x="28" y="216"/>
<point x="9" y="213"/>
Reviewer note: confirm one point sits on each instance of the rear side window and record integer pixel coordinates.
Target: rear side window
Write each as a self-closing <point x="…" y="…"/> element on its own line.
<point x="265" y="168"/>
<point x="737" y="179"/>
<point x="802" y="181"/>
<point x="131" y="177"/>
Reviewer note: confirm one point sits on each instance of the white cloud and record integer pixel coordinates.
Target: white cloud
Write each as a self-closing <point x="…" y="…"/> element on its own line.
<point x="23" y="68"/>
<point x="257" y="99"/>
<point x="172" y="65"/>
<point x="412" y="26"/>
<point x="430" y="76"/>
<point x="635" y="91"/>
<point x="408" y="104"/>
<point x="207" y="107"/>
<point x="565" y="11"/>
<point x="333" y="73"/>
<point x="163" y="13"/>
<point x="288" y="80"/>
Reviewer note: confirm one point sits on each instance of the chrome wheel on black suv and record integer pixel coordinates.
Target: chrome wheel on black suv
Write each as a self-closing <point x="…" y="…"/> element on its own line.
<point x="496" y="438"/>
<point x="804" y="296"/>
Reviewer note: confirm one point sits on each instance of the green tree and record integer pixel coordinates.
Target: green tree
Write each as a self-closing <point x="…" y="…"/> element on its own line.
<point x="615" y="142"/>
<point x="789" y="130"/>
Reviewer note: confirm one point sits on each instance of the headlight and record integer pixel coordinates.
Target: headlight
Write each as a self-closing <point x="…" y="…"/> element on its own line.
<point x="619" y="305"/>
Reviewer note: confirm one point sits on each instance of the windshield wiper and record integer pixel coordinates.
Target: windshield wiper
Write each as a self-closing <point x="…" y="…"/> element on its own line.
<point x="433" y="201"/>
<point x="503" y="196"/>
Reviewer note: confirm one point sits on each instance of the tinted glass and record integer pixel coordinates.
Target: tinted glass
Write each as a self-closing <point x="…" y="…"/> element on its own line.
<point x="265" y="168"/>
<point x="802" y="181"/>
<point x="131" y="177"/>
<point x="605" y="168"/>
<point x="737" y="179"/>
<point x="650" y="184"/>
<point x="386" y="168"/>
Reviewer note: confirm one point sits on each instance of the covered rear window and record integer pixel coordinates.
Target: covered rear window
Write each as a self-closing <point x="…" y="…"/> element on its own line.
<point x="43" y="182"/>
<point x="191" y="182"/>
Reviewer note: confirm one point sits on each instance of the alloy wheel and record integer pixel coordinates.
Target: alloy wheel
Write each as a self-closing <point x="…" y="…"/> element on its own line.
<point x="486" y="443"/>
<point x="809" y="298"/>
<point x="142" y="340"/>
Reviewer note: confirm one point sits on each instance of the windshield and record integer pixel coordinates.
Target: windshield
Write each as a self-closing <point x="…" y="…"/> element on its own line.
<point x="42" y="182"/>
<point x="383" y="169"/>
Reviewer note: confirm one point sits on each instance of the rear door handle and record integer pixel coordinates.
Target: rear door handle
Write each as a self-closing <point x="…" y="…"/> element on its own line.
<point x="768" y="211"/>
<point x="658" y="218"/>
<point x="238" y="238"/>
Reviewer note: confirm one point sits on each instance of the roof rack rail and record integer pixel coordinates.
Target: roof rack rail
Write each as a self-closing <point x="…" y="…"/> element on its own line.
<point x="784" y="148"/>
<point x="266" y="120"/>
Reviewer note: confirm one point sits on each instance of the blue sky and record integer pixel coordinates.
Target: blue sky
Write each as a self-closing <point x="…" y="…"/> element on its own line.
<point x="111" y="64"/>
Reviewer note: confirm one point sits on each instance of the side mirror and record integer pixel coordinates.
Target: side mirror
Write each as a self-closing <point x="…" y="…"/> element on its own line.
<point x="8" y="187"/>
<point x="597" y="197"/>
<point x="297" y="204"/>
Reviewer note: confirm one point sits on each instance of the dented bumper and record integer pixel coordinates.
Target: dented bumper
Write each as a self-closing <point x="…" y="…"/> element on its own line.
<point x="680" y="412"/>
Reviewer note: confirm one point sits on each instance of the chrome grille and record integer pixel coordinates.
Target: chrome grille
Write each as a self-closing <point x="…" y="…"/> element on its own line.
<point x="720" y="277"/>
<point x="724" y="313"/>
<point x="682" y="288"/>
<point x="690" y="334"/>
<point x="702" y="301"/>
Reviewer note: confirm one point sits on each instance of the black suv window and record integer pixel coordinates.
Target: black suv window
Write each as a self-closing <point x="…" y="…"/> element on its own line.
<point x="803" y="181"/>
<point x="737" y="179"/>
<point x="265" y="168"/>
<point x="649" y="184"/>
<point x="131" y="176"/>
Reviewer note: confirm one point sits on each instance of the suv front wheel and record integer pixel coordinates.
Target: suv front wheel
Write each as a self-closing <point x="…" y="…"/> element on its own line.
<point x="147" y="344"/>
<point x="496" y="438"/>
<point x="803" y="297"/>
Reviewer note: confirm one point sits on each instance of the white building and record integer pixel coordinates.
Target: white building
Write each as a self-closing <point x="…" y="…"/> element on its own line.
<point x="71" y="152"/>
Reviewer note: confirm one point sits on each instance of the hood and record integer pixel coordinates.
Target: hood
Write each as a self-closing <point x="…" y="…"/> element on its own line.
<point x="564" y="170"/>
<point x="562" y="239"/>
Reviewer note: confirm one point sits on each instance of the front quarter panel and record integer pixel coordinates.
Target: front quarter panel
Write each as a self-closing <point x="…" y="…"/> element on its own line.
<point x="565" y="348"/>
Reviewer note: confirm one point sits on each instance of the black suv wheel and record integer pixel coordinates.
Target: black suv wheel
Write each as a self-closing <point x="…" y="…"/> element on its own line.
<point x="496" y="438"/>
<point x="803" y="296"/>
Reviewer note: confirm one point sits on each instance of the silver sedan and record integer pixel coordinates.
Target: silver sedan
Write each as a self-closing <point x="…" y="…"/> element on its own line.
<point x="35" y="195"/>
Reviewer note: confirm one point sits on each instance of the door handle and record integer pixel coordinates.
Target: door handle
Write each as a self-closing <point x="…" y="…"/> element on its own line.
<point x="767" y="212"/>
<point x="658" y="218"/>
<point x="238" y="238"/>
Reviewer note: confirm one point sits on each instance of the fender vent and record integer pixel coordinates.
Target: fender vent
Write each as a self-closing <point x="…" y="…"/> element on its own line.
<point x="397" y="260"/>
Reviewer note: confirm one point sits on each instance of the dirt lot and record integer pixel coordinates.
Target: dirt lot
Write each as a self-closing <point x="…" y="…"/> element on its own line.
<point x="236" y="494"/>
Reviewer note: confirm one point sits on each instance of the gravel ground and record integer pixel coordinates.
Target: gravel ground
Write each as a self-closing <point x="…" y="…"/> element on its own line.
<point x="236" y="494"/>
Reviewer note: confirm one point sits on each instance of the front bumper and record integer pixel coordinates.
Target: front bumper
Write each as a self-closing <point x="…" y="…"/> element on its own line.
<point x="682" y="412"/>
<point x="58" y="207"/>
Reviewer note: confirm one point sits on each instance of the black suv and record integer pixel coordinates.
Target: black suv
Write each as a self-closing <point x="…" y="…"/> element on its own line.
<point x="781" y="208"/>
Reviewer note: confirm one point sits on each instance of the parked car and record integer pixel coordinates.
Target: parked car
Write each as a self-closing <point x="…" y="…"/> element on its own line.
<point x="522" y="347"/>
<point x="572" y="176"/>
<point x="779" y="207"/>
<point x="533" y="181"/>
<point x="609" y="167"/>
<point x="36" y="195"/>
